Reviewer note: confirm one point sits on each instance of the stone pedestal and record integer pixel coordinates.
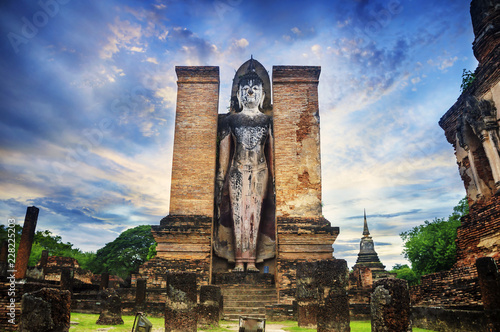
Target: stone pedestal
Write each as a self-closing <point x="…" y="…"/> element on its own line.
<point x="180" y="309"/>
<point x="46" y="310"/>
<point x="24" y="250"/>
<point x="209" y="312"/>
<point x="390" y="306"/>
<point x="111" y="308"/>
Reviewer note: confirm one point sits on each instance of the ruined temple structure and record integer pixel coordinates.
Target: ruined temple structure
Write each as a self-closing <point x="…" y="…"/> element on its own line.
<point x="281" y="144"/>
<point x="367" y="270"/>
<point x="367" y="256"/>
<point x="471" y="126"/>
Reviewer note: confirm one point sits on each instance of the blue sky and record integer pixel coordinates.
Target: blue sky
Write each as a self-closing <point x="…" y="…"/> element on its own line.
<point x="88" y="96"/>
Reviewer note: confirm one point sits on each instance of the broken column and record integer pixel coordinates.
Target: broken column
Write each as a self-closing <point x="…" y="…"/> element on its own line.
<point x="46" y="310"/>
<point x="209" y="308"/>
<point x="307" y="295"/>
<point x="24" y="250"/>
<point x="104" y="281"/>
<point x="44" y="258"/>
<point x="322" y="295"/>
<point x="332" y="278"/>
<point x="489" y="282"/>
<point x="3" y="259"/>
<point x="180" y="308"/>
<point x="390" y="306"/>
<point x="111" y="308"/>
<point x="140" y="292"/>
<point x="66" y="281"/>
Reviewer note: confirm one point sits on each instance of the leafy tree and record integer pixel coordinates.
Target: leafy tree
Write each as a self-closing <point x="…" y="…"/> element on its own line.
<point x="406" y="273"/>
<point x="126" y="253"/>
<point x="431" y="247"/>
<point x="45" y="240"/>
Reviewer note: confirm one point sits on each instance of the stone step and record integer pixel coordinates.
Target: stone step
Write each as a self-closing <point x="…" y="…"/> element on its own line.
<point x="248" y="303"/>
<point x="237" y="316"/>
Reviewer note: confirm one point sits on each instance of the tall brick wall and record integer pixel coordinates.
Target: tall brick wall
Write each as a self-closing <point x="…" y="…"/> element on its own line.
<point x="296" y="141"/>
<point x="302" y="232"/>
<point x="195" y="141"/>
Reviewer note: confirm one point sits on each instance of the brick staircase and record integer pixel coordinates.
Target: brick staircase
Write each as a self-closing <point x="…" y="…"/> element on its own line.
<point x="246" y="294"/>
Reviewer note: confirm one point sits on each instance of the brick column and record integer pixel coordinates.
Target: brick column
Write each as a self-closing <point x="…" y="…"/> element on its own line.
<point x="302" y="232"/>
<point x="3" y="259"/>
<point x="140" y="292"/>
<point x="24" y="251"/>
<point x="296" y="141"/>
<point x="195" y="141"/>
<point x="489" y="282"/>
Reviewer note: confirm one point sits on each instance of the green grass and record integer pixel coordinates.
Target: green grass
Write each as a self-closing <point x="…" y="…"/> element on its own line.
<point x="87" y="324"/>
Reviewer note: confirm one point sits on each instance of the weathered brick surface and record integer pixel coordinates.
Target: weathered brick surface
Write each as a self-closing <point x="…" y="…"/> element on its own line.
<point x="24" y="250"/>
<point x="300" y="240"/>
<point x="181" y="309"/>
<point x="321" y="295"/>
<point x="479" y="234"/>
<point x="209" y="312"/>
<point x="59" y="303"/>
<point x="486" y="23"/>
<point x="184" y="244"/>
<point x="390" y="306"/>
<point x="193" y="163"/>
<point x="297" y="141"/>
<point x="456" y="288"/>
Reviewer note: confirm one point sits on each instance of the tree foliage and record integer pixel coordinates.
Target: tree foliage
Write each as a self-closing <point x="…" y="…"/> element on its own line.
<point x="406" y="273"/>
<point x="467" y="78"/>
<point x="126" y="253"/>
<point x="431" y="247"/>
<point x="45" y="240"/>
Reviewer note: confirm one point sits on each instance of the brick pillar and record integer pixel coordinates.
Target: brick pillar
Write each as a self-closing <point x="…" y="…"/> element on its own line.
<point x="104" y="281"/>
<point x="3" y="259"/>
<point x="333" y="312"/>
<point x="24" y="251"/>
<point x="390" y="306"/>
<point x="307" y="295"/>
<point x="180" y="308"/>
<point x="296" y="141"/>
<point x="44" y="258"/>
<point x="209" y="309"/>
<point x="66" y="279"/>
<point x="489" y="282"/>
<point x="195" y="141"/>
<point x="302" y="232"/>
<point x="322" y="295"/>
<point x="140" y="292"/>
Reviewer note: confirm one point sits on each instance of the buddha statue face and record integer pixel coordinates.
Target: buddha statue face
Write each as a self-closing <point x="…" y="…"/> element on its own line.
<point x="251" y="94"/>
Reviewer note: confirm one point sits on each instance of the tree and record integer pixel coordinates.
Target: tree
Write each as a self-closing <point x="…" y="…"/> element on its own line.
<point x="45" y="240"/>
<point x="126" y="253"/>
<point x="406" y="273"/>
<point x="431" y="247"/>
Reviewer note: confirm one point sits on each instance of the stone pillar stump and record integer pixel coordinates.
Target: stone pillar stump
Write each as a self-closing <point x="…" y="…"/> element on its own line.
<point x="390" y="306"/>
<point x="209" y="309"/>
<point x="46" y="310"/>
<point x="180" y="309"/>
<point x="111" y="308"/>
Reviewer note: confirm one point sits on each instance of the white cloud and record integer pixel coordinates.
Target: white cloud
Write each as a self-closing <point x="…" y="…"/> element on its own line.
<point x="242" y="43"/>
<point x="124" y="35"/>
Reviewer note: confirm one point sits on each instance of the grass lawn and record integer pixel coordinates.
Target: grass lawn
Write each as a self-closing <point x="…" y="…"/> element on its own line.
<point x="86" y="323"/>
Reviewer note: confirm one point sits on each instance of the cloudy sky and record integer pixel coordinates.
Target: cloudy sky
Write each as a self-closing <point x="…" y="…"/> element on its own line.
<point x="88" y="95"/>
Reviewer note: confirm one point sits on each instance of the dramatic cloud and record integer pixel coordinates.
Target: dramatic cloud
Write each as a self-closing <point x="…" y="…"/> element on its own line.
<point x="88" y="106"/>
